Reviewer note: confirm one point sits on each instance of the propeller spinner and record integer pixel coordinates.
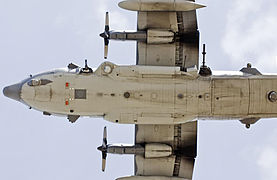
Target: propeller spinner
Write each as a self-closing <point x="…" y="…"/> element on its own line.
<point x="106" y="35"/>
<point x="103" y="149"/>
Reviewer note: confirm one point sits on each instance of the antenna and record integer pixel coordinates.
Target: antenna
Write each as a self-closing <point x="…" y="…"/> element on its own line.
<point x="204" y="55"/>
<point x="204" y="70"/>
<point x="86" y="63"/>
<point x="86" y="69"/>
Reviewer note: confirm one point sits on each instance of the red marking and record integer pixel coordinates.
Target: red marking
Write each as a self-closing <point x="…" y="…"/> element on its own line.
<point x="67" y="84"/>
<point x="66" y="103"/>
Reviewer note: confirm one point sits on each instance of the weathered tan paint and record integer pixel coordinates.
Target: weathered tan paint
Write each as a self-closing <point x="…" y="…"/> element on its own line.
<point x="159" y="5"/>
<point x="259" y="90"/>
<point x="158" y="95"/>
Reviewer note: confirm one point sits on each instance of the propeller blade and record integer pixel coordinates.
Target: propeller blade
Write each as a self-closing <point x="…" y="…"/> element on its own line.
<point x="107" y="22"/>
<point x="106" y="51"/>
<point x="106" y="35"/>
<point x="103" y="164"/>
<point x="106" y="48"/>
<point x="104" y="144"/>
<point x="106" y="41"/>
<point x="104" y="149"/>
<point x="104" y="157"/>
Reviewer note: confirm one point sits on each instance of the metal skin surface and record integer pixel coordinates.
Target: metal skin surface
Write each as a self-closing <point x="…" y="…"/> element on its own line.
<point x="159" y="5"/>
<point x="152" y="95"/>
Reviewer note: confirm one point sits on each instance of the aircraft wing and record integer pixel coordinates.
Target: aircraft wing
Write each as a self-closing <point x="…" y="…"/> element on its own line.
<point x="184" y="52"/>
<point x="183" y="140"/>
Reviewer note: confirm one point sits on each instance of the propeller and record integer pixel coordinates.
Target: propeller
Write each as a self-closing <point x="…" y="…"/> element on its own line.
<point x="103" y="149"/>
<point x="106" y="35"/>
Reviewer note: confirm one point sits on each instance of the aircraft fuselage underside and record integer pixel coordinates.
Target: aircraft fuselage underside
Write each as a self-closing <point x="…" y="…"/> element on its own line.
<point x="152" y="95"/>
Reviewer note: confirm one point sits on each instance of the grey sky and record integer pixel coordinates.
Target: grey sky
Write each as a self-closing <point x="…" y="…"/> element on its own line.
<point x="40" y="35"/>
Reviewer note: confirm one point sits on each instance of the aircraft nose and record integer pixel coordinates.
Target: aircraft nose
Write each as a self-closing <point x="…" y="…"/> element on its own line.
<point x="13" y="91"/>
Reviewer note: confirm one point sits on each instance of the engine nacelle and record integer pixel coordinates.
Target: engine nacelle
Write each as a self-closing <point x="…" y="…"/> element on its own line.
<point x="159" y="36"/>
<point x="156" y="150"/>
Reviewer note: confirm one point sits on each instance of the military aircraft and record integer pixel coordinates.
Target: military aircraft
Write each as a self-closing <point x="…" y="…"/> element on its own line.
<point x="164" y="94"/>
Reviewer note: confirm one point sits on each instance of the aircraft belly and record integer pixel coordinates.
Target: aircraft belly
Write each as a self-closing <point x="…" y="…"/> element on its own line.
<point x="230" y="97"/>
<point x="260" y="105"/>
<point x="85" y="95"/>
<point x="149" y="103"/>
<point x="193" y="98"/>
<point x="42" y="93"/>
<point x="152" y="98"/>
<point x="162" y="102"/>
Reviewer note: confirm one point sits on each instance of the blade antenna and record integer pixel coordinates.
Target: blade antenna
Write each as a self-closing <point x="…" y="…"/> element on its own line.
<point x="204" y="55"/>
<point x="204" y="70"/>
<point x="86" y="63"/>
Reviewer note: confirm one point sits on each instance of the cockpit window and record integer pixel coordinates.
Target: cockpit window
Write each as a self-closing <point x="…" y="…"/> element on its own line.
<point x="80" y="94"/>
<point x="74" y="71"/>
<point x="38" y="82"/>
<point x="33" y="82"/>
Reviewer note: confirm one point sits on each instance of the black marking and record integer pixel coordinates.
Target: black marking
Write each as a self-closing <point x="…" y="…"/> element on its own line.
<point x="177" y="143"/>
<point x="180" y="96"/>
<point x="126" y="94"/>
<point x="46" y="113"/>
<point x="72" y="66"/>
<point x="73" y="118"/>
